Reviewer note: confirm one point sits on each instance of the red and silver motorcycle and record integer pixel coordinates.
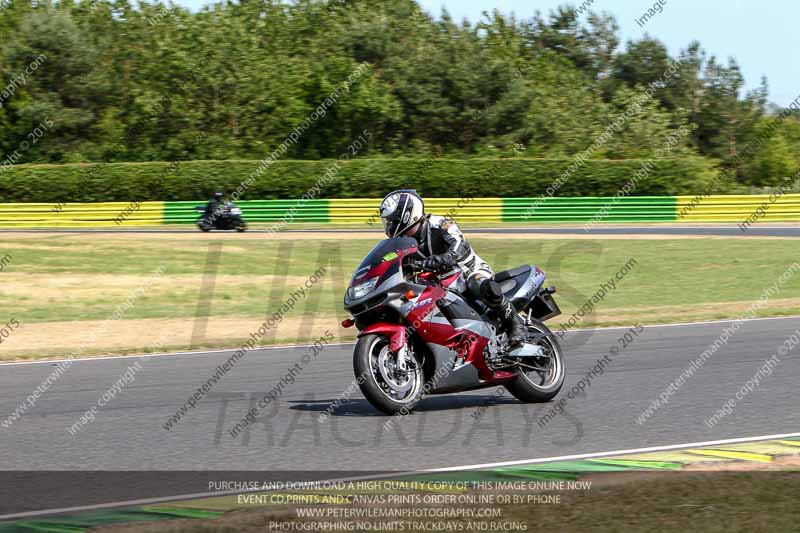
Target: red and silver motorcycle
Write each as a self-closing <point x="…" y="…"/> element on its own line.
<point x="418" y="335"/>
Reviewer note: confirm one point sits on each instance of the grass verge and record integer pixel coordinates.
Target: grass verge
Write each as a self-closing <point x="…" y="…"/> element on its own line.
<point x="83" y="294"/>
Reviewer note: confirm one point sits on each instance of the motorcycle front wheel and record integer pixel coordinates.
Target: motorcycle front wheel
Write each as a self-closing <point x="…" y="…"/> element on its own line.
<point x="389" y="389"/>
<point x="536" y="386"/>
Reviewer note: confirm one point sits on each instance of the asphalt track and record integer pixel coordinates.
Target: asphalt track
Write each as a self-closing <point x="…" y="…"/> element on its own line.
<point x="729" y="231"/>
<point x="128" y="433"/>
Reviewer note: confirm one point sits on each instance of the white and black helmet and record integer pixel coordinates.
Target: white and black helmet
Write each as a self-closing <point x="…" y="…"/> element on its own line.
<point x="400" y="210"/>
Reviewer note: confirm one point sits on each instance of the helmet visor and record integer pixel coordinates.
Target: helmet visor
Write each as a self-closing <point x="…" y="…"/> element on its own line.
<point x="400" y="210"/>
<point x="391" y="225"/>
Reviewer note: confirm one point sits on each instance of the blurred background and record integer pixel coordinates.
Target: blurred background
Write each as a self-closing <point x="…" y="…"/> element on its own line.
<point x="123" y="82"/>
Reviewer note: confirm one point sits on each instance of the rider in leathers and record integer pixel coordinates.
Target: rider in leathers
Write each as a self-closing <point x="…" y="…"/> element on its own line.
<point x="444" y="246"/>
<point x="213" y="208"/>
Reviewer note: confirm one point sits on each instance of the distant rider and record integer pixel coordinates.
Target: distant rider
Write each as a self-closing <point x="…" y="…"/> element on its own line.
<point x="444" y="246"/>
<point x="214" y="207"/>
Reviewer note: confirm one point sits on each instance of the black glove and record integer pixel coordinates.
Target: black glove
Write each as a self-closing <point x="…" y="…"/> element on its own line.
<point x="435" y="262"/>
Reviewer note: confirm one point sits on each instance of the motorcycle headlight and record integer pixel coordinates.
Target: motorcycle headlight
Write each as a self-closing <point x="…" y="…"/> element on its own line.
<point x="362" y="289"/>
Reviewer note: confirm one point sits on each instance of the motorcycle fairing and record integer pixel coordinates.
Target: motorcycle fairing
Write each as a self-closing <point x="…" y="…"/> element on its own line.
<point x="396" y="333"/>
<point x="455" y="333"/>
<point x="520" y="284"/>
<point x="385" y="263"/>
<point x="464" y="336"/>
<point x="455" y="375"/>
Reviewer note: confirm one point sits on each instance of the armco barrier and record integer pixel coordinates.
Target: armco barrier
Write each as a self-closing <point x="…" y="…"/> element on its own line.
<point x="280" y="213"/>
<point x="336" y="211"/>
<point x="255" y="211"/>
<point x="82" y="215"/>
<point x="587" y="209"/>
<point x="732" y="208"/>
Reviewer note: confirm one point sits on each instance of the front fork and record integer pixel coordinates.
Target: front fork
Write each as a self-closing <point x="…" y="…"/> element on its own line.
<point x="402" y="357"/>
<point x="398" y="340"/>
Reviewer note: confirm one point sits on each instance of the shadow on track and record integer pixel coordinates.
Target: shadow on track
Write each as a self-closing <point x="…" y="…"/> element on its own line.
<point x="362" y="408"/>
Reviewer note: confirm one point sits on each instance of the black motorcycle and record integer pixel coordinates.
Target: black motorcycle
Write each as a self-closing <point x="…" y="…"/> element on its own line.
<point x="225" y="217"/>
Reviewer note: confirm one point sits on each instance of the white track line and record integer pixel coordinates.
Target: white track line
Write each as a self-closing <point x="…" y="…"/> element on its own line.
<point x="148" y="501"/>
<point x="206" y="352"/>
<point x="615" y="453"/>
<point x="293" y="346"/>
<point x="634" y="229"/>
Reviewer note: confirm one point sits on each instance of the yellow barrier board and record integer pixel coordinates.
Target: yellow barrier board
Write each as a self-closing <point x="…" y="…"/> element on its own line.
<point x="738" y="208"/>
<point x="717" y="208"/>
<point x="365" y="210"/>
<point x="105" y="214"/>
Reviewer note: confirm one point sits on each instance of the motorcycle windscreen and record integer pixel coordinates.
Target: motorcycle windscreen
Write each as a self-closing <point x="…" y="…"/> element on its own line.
<point x="386" y="250"/>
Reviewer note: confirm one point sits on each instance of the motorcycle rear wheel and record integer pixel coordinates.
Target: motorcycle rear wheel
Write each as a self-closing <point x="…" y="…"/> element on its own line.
<point x="390" y="392"/>
<point x="532" y="386"/>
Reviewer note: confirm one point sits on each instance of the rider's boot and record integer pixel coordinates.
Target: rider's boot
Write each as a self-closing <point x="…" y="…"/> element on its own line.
<point x="493" y="296"/>
<point x="514" y="325"/>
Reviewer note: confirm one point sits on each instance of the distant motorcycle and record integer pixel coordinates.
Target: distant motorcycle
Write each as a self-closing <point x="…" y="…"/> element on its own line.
<point x="227" y="217"/>
<point x="417" y="335"/>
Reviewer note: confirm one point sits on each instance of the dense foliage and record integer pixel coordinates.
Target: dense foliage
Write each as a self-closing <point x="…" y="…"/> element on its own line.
<point x="116" y="82"/>
<point x="359" y="178"/>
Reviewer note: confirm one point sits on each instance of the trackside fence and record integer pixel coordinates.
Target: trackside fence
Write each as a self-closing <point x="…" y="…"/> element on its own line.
<point x="645" y="209"/>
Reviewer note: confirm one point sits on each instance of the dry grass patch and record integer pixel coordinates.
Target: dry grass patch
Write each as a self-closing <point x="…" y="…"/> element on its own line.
<point x="101" y="337"/>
